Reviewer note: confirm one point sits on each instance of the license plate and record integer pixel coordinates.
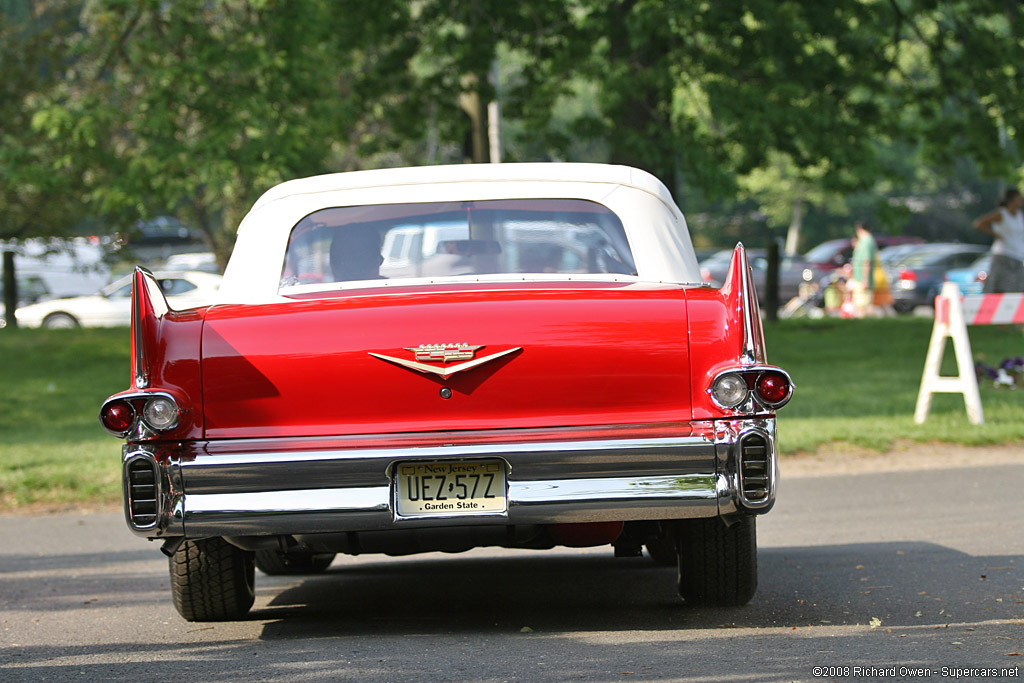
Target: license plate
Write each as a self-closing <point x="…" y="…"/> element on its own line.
<point x="450" y="488"/>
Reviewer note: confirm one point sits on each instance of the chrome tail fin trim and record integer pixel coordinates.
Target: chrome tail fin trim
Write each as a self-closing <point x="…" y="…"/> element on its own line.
<point x="148" y="305"/>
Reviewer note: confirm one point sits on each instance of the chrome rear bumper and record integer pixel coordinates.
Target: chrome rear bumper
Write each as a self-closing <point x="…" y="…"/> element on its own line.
<point x="268" y="487"/>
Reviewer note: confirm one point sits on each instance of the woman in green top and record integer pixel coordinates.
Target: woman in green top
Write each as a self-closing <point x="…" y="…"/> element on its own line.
<point x="864" y="252"/>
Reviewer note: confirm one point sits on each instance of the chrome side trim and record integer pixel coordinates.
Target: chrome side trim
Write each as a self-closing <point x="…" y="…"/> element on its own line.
<point x="564" y="500"/>
<point x="145" y="284"/>
<point x="367" y="499"/>
<point x="138" y="338"/>
<point x="686" y="487"/>
<point x="748" y="296"/>
<point x="624" y="446"/>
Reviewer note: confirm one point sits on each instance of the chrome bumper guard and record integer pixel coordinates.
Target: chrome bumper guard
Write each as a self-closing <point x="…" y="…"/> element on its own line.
<point x="195" y="491"/>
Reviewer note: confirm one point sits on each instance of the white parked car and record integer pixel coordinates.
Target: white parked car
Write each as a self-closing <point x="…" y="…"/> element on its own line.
<point x="197" y="260"/>
<point x="67" y="267"/>
<point x="112" y="305"/>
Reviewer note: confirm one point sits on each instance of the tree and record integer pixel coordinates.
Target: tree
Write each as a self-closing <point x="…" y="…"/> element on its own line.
<point x="711" y="96"/>
<point x="958" y="64"/>
<point x="197" y="106"/>
<point x="783" y="192"/>
<point x="41" y="190"/>
<point x="203" y="105"/>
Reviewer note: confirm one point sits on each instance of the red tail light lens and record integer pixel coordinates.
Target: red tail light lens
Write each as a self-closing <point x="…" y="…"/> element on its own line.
<point x="908" y="275"/>
<point x="773" y="388"/>
<point x="752" y="389"/>
<point x="118" y="416"/>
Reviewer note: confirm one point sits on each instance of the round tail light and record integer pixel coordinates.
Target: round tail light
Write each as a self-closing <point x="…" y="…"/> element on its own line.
<point x="160" y="413"/>
<point x="118" y="417"/>
<point x="773" y="388"/>
<point x="730" y="390"/>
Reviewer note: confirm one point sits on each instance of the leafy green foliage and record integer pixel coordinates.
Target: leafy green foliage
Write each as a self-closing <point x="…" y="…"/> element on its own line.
<point x="203" y="105"/>
<point x="41" y="188"/>
<point x="196" y="107"/>
<point x="39" y="191"/>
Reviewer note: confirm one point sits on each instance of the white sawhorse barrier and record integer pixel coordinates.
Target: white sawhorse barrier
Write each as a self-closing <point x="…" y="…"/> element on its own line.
<point x="953" y="313"/>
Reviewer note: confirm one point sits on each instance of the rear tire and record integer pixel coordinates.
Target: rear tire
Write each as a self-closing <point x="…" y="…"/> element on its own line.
<point x="717" y="563"/>
<point x="277" y="563"/>
<point x="60" y="321"/>
<point x="212" y="580"/>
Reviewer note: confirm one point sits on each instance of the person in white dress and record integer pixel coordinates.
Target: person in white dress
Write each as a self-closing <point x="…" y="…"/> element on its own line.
<point x="1006" y="224"/>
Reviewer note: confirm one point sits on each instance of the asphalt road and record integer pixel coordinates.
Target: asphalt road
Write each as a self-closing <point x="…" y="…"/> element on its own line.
<point x="870" y="576"/>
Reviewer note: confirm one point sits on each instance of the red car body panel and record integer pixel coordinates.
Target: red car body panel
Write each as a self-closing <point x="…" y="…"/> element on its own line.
<point x="588" y="356"/>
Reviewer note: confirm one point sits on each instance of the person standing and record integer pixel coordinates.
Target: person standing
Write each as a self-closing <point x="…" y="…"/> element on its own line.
<point x="1006" y="224"/>
<point x="865" y="250"/>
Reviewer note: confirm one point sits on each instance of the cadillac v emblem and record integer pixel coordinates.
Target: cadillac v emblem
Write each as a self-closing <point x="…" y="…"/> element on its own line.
<point x="444" y="354"/>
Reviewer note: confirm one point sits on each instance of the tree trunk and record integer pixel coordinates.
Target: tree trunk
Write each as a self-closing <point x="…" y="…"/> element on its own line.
<point x="477" y="147"/>
<point x="640" y="131"/>
<point x="10" y="289"/>
<point x="771" y="281"/>
<point x="793" y="234"/>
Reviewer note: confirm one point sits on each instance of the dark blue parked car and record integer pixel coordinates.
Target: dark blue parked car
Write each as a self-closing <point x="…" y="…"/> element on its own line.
<point x="971" y="279"/>
<point x="915" y="279"/>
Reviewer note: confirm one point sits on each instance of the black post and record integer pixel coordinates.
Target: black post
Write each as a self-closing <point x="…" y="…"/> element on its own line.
<point x="10" y="289"/>
<point x="771" y="281"/>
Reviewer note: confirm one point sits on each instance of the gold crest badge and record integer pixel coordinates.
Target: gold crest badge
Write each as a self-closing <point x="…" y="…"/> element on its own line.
<point x="444" y="354"/>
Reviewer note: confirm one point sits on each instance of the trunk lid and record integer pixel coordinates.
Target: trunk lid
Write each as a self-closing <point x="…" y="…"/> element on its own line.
<point x="550" y="355"/>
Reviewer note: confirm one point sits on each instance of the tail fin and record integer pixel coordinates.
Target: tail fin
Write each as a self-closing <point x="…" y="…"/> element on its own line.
<point x="148" y="308"/>
<point x="741" y="298"/>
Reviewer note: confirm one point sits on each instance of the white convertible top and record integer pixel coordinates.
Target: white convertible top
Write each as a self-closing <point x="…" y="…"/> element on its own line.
<point x="655" y="228"/>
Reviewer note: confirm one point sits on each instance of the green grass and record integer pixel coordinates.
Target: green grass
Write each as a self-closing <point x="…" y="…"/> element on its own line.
<point x="857" y="383"/>
<point x="52" y="447"/>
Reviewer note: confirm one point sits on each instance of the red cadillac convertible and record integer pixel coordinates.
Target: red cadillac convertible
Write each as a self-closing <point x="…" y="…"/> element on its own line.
<point x="436" y="359"/>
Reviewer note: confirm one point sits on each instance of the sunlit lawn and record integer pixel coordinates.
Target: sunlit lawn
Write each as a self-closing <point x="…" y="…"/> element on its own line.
<point x="52" y="447"/>
<point x="857" y="383"/>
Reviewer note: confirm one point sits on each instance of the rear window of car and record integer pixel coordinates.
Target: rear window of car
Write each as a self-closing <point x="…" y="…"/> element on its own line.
<point x="456" y="239"/>
<point x="175" y="286"/>
<point x="938" y="257"/>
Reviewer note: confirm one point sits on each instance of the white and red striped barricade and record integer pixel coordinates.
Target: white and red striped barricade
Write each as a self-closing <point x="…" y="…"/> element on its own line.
<point x="953" y="313"/>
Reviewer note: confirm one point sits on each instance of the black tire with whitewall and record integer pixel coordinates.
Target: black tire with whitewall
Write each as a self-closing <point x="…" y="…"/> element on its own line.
<point x="60" y="321"/>
<point x="717" y="562"/>
<point x="212" y="580"/>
